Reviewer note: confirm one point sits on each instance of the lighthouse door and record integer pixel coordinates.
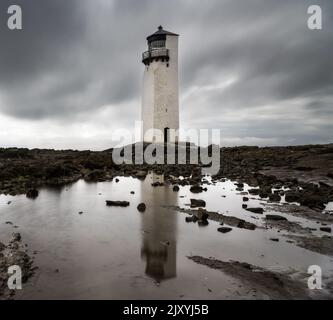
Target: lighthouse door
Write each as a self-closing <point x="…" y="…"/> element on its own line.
<point x="166" y="135"/>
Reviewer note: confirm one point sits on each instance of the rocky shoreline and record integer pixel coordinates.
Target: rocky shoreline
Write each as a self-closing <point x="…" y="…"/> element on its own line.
<point x="263" y="283"/>
<point x="14" y="254"/>
<point x="22" y="171"/>
<point x="300" y="175"/>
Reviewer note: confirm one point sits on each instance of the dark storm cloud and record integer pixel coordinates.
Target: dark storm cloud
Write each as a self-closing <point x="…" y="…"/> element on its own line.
<point x="252" y="57"/>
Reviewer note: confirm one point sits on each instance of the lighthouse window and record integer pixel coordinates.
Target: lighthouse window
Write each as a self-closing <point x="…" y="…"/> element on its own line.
<point x="157" y="44"/>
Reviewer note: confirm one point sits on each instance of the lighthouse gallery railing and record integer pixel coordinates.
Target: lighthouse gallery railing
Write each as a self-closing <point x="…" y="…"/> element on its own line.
<point x="155" y="53"/>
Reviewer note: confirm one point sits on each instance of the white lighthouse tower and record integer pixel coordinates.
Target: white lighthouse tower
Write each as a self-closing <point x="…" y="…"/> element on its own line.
<point x="160" y="101"/>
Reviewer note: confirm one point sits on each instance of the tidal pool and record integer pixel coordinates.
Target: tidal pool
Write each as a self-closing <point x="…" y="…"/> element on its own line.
<point x="120" y="253"/>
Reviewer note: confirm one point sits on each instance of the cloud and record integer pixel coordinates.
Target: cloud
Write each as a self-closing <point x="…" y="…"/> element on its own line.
<point x="252" y="68"/>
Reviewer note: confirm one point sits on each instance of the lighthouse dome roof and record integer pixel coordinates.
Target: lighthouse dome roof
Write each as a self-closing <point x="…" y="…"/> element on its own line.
<point x="161" y="32"/>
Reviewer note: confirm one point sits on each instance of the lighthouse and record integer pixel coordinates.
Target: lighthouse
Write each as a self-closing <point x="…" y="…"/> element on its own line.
<point x="160" y="100"/>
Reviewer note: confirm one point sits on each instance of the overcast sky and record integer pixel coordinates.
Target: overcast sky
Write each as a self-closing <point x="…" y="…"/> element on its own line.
<point x="73" y="75"/>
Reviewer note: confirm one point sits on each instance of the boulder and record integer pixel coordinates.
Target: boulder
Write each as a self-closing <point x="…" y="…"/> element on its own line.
<point x="203" y="223"/>
<point x="292" y="196"/>
<point x="275" y="197"/>
<point x="256" y="210"/>
<point x="140" y="174"/>
<point x="224" y="229"/>
<point x="16" y="237"/>
<point x="326" y="229"/>
<point x="197" y="203"/>
<point x="242" y="224"/>
<point x="141" y="207"/>
<point x="32" y="193"/>
<point x="2" y="246"/>
<point x="96" y="175"/>
<point x="191" y="219"/>
<point x="196" y="189"/>
<point x="111" y="203"/>
<point x="275" y="217"/>
<point x="201" y="214"/>
<point x="157" y="184"/>
<point x="254" y="192"/>
<point x="175" y="188"/>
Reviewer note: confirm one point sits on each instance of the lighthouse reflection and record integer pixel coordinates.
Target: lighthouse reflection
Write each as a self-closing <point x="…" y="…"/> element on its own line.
<point x="159" y="230"/>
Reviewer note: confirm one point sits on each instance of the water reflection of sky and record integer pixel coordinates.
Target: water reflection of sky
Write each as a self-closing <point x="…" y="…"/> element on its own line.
<point x="110" y="252"/>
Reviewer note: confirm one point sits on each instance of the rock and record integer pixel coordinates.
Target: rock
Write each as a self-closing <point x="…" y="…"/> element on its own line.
<point x="243" y="193"/>
<point x="16" y="237"/>
<point x="201" y="214"/>
<point x="203" y="223"/>
<point x="275" y="197"/>
<point x="141" y="207"/>
<point x="274" y="239"/>
<point x="326" y="229"/>
<point x="275" y="217"/>
<point x="245" y="199"/>
<point x="117" y="180"/>
<point x="141" y="174"/>
<point x="304" y="168"/>
<point x="197" y="203"/>
<point x="175" y="188"/>
<point x="263" y="195"/>
<point x="244" y="206"/>
<point x="313" y="200"/>
<point x="242" y="224"/>
<point x="292" y="196"/>
<point x="266" y="189"/>
<point x="240" y="185"/>
<point x="81" y="212"/>
<point x="132" y="192"/>
<point x="95" y="175"/>
<point x="117" y="203"/>
<point x="277" y="185"/>
<point x="2" y="246"/>
<point x="32" y="194"/>
<point x="330" y="175"/>
<point x="157" y="184"/>
<point x="196" y="189"/>
<point x="9" y="202"/>
<point x="254" y="192"/>
<point x="256" y="210"/>
<point x="191" y="219"/>
<point x="224" y="229"/>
